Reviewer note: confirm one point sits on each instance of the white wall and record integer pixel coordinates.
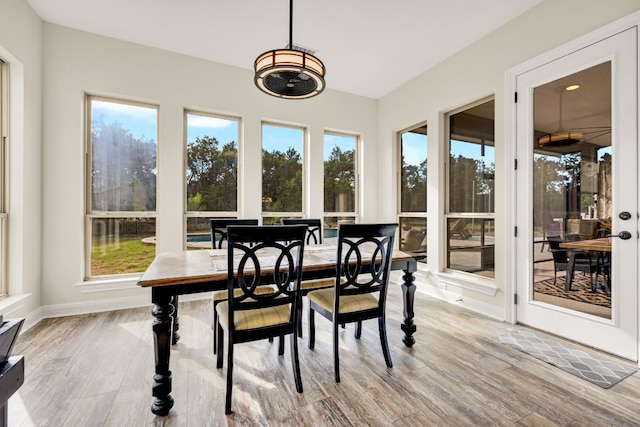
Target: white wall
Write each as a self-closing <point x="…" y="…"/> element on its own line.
<point x="472" y="74"/>
<point x="21" y="48"/>
<point x="77" y="63"/>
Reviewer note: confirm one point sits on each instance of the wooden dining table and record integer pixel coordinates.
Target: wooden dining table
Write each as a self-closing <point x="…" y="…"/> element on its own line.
<point x="602" y="245"/>
<point x="187" y="272"/>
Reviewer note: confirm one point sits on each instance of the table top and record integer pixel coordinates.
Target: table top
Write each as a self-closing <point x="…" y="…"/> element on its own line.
<point x="603" y="244"/>
<point x="196" y="266"/>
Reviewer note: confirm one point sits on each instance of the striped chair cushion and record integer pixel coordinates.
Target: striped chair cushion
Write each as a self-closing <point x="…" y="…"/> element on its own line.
<point x="348" y="303"/>
<point x="222" y="295"/>
<point x="253" y="319"/>
<point x="317" y="284"/>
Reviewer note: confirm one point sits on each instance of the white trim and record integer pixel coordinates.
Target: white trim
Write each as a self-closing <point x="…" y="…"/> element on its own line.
<point x="454" y="298"/>
<point x="97" y="306"/>
<point x="106" y="285"/>
<point x="12" y="303"/>
<point x="476" y="284"/>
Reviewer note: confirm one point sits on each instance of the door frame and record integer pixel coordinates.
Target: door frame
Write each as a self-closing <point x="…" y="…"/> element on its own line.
<point x="593" y="37"/>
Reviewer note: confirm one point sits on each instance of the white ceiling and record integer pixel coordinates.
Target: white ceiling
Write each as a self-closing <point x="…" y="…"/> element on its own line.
<point x="369" y="47"/>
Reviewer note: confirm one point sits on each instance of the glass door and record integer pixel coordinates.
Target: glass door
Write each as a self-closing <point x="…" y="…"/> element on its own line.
<point x="578" y="185"/>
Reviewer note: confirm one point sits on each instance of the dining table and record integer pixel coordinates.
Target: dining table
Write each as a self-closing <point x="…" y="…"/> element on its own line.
<point x="172" y="274"/>
<point x="601" y="245"/>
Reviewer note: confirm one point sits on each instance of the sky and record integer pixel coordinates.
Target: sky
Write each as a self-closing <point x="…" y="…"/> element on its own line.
<point x="142" y="123"/>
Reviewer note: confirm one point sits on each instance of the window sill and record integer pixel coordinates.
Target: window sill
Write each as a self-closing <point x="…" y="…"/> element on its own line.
<point x="12" y="303"/>
<point x="106" y="285"/>
<point x="476" y="284"/>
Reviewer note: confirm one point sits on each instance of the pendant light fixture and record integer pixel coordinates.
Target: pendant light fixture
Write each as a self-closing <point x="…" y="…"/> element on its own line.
<point x="289" y="73"/>
<point x="561" y="137"/>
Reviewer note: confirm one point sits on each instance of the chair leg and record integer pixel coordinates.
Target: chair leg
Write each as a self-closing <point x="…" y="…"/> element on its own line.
<point x="280" y="345"/>
<point x="383" y="341"/>
<point x="312" y="329"/>
<point x="358" y="331"/>
<point x="300" y="312"/>
<point x="215" y="329"/>
<point x="220" y="346"/>
<point x="227" y="405"/>
<point x="336" y="356"/>
<point x="295" y="362"/>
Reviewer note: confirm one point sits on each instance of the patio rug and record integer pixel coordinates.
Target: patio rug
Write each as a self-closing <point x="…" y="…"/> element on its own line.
<point x="591" y="365"/>
<point x="580" y="290"/>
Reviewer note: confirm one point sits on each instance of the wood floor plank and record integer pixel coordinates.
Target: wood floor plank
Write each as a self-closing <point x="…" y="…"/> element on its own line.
<point x="97" y="369"/>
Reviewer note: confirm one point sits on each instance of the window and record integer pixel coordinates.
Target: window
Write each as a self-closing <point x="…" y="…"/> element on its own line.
<point x="470" y="219"/>
<point x="211" y="173"/>
<point x="282" y="172"/>
<point x="412" y="215"/>
<point x="121" y="175"/>
<point x="4" y="135"/>
<point x="340" y="182"/>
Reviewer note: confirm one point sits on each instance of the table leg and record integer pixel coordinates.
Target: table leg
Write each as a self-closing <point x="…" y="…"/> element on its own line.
<point x="175" y="336"/>
<point x="408" y="292"/>
<point x="162" y="334"/>
<point x="569" y="277"/>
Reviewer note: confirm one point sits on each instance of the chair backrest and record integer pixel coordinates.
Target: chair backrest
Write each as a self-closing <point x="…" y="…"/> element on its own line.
<point x="314" y="228"/>
<point x="559" y="254"/>
<point x="261" y="255"/>
<point x="219" y="229"/>
<point x="364" y="260"/>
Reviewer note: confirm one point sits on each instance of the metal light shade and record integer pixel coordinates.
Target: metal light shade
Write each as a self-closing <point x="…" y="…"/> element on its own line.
<point x="560" y="139"/>
<point x="290" y="74"/>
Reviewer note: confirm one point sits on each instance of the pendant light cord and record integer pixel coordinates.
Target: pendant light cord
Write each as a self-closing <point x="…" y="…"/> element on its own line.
<point x="290" y="24"/>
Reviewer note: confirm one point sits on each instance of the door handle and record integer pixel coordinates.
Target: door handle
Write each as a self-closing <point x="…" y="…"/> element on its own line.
<point x="624" y="235"/>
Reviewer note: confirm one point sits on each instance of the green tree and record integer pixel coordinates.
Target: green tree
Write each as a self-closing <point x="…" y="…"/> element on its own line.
<point x="339" y="181"/>
<point x="212" y="175"/>
<point x="414" y="187"/>
<point x="281" y="181"/>
<point x="123" y="169"/>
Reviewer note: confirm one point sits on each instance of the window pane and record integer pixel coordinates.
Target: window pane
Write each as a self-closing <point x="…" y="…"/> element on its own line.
<point x="281" y="168"/>
<point x="212" y="163"/>
<point x="413" y="236"/>
<point x="122" y="245"/>
<point x="472" y="160"/>
<point x="470" y="243"/>
<point x="413" y="170"/>
<point x="123" y="154"/>
<point x="331" y="225"/>
<point x="339" y="173"/>
<point x="198" y="233"/>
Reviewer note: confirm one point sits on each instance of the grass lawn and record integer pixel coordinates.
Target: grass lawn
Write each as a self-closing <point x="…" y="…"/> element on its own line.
<point x="126" y="256"/>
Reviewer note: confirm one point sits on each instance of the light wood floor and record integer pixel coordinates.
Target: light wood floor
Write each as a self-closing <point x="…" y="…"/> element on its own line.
<point x="97" y="370"/>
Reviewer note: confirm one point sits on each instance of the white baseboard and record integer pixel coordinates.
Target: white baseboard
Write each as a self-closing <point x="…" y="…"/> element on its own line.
<point x="424" y="285"/>
<point x="97" y="306"/>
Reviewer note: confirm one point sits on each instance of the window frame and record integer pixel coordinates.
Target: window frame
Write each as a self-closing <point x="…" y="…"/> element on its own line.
<point x="4" y="169"/>
<point x="448" y="214"/>
<point x="239" y="167"/>
<point x="90" y="214"/>
<point x="345" y="215"/>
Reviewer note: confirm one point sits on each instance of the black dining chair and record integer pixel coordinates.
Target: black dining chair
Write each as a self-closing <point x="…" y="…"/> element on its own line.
<point x="314" y="237"/>
<point x="582" y="261"/>
<point x="265" y="254"/>
<point x="314" y="228"/>
<point x="218" y="238"/>
<point x="219" y="229"/>
<point x="363" y="265"/>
